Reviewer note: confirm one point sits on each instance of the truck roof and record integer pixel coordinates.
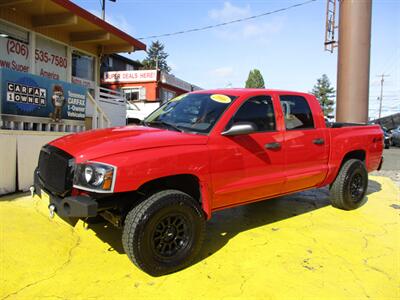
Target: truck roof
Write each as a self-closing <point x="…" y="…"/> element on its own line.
<point x="245" y="91"/>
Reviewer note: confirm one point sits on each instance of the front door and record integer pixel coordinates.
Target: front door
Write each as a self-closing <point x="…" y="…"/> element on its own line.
<point x="248" y="167"/>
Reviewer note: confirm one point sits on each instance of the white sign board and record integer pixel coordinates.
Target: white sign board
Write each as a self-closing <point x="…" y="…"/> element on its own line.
<point x="84" y="82"/>
<point x="130" y="76"/>
<point x="14" y="55"/>
<point x="50" y="59"/>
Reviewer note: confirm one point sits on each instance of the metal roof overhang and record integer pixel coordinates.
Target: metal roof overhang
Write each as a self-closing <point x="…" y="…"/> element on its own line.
<point x="75" y="25"/>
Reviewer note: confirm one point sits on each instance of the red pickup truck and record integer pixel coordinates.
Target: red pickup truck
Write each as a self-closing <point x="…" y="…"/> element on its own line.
<point x="198" y="153"/>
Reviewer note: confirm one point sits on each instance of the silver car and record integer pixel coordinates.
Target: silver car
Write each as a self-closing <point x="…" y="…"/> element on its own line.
<point x="396" y="136"/>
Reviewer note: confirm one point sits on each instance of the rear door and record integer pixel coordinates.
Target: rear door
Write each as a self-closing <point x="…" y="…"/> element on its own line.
<point x="306" y="145"/>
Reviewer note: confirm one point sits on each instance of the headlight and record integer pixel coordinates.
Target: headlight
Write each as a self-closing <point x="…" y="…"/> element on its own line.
<point x="95" y="177"/>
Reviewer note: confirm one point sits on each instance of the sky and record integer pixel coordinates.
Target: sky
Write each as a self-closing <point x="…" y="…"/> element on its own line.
<point x="287" y="47"/>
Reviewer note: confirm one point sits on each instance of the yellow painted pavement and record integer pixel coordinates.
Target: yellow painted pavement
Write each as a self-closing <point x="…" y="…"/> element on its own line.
<point x="294" y="247"/>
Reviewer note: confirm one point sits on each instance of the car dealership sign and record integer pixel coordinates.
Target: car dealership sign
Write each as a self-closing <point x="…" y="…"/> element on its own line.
<point x="50" y="57"/>
<point x="130" y="76"/>
<point x="30" y="95"/>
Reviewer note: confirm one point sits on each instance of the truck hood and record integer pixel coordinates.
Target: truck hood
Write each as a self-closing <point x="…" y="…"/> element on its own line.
<point x="94" y="144"/>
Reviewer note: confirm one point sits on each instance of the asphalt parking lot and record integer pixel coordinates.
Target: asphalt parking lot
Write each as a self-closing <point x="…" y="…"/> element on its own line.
<point x="294" y="247"/>
<point x="391" y="165"/>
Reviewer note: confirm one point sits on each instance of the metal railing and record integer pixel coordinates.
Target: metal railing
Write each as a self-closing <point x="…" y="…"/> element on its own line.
<point x="99" y="118"/>
<point x="13" y="122"/>
<point x="105" y="94"/>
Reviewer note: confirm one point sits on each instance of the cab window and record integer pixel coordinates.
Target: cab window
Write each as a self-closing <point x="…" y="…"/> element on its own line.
<point x="297" y="112"/>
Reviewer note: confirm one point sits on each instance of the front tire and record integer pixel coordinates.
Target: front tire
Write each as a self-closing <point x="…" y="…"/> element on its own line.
<point x="164" y="233"/>
<point x="350" y="186"/>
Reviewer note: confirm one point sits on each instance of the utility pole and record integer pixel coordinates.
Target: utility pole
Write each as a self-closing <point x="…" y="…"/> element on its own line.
<point x="381" y="97"/>
<point x="103" y="9"/>
<point x="353" y="60"/>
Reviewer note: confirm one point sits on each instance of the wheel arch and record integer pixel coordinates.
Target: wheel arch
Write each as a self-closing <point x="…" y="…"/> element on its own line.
<point x="359" y="154"/>
<point x="187" y="183"/>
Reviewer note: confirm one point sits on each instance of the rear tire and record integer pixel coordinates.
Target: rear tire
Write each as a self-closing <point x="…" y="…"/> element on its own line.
<point x="164" y="233"/>
<point x="350" y="186"/>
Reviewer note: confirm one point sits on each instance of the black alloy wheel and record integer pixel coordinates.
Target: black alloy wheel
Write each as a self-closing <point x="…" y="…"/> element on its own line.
<point x="171" y="235"/>
<point x="164" y="233"/>
<point x="350" y="186"/>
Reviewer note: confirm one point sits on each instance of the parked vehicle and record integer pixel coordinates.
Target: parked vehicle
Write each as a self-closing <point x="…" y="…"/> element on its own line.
<point x="396" y="137"/>
<point x="387" y="137"/>
<point x="199" y="153"/>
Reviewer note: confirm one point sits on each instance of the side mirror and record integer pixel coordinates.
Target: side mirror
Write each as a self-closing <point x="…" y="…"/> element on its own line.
<point x="240" y="128"/>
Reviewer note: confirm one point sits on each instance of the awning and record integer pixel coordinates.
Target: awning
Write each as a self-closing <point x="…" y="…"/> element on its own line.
<point x="71" y="23"/>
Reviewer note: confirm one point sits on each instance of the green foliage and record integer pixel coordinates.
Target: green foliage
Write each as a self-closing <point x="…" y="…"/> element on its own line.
<point x="156" y="52"/>
<point x="325" y="94"/>
<point x="255" y="80"/>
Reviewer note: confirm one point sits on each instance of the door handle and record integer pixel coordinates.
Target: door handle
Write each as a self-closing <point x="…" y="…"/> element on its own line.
<point x="319" y="141"/>
<point x="273" y="145"/>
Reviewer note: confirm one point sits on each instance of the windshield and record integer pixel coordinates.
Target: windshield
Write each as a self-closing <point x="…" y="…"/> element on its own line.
<point x="191" y="112"/>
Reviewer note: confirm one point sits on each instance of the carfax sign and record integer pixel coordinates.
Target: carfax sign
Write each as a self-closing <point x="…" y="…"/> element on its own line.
<point x="24" y="94"/>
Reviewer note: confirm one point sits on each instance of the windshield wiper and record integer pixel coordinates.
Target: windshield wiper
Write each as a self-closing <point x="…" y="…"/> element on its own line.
<point x="174" y="127"/>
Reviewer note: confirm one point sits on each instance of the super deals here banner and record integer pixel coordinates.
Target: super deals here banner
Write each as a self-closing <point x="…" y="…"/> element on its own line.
<point x="24" y="94"/>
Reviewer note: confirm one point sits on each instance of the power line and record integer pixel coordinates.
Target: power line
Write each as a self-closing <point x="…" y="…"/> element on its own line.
<point x="227" y="23"/>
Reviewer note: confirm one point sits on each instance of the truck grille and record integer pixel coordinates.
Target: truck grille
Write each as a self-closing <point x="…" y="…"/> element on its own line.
<point x="56" y="170"/>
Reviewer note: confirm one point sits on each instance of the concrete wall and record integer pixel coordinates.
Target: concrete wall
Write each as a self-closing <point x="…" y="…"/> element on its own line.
<point x="19" y="153"/>
<point x="8" y="163"/>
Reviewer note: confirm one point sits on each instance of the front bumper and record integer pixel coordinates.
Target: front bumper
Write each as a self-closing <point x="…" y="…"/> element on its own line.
<point x="68" y="207"/>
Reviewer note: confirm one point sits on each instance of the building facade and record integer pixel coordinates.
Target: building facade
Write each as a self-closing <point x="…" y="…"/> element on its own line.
<point x="145" y="90"/>
<point x="57" y="41"/>
<point x="50" y="58"/>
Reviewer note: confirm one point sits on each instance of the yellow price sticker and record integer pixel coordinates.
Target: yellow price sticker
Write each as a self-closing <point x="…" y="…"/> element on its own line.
<point x="221" y="98"/>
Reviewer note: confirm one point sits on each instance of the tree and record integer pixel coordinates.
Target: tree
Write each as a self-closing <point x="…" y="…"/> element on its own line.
<point x="325" y="93"/>
<point x="255" y="80"/>
<point x="156" y="56"/>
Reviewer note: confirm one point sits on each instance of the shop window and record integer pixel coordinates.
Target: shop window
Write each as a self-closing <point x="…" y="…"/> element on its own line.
<point x="166" y="95"/>
<point x="82" y="66"/>
<point x="11" y="32"/>
<point x="132" y="95"/>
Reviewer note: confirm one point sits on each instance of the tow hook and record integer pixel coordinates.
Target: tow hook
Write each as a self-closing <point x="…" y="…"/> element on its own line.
<point x="32" y="190"/>
<point x="52" y="209"/>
